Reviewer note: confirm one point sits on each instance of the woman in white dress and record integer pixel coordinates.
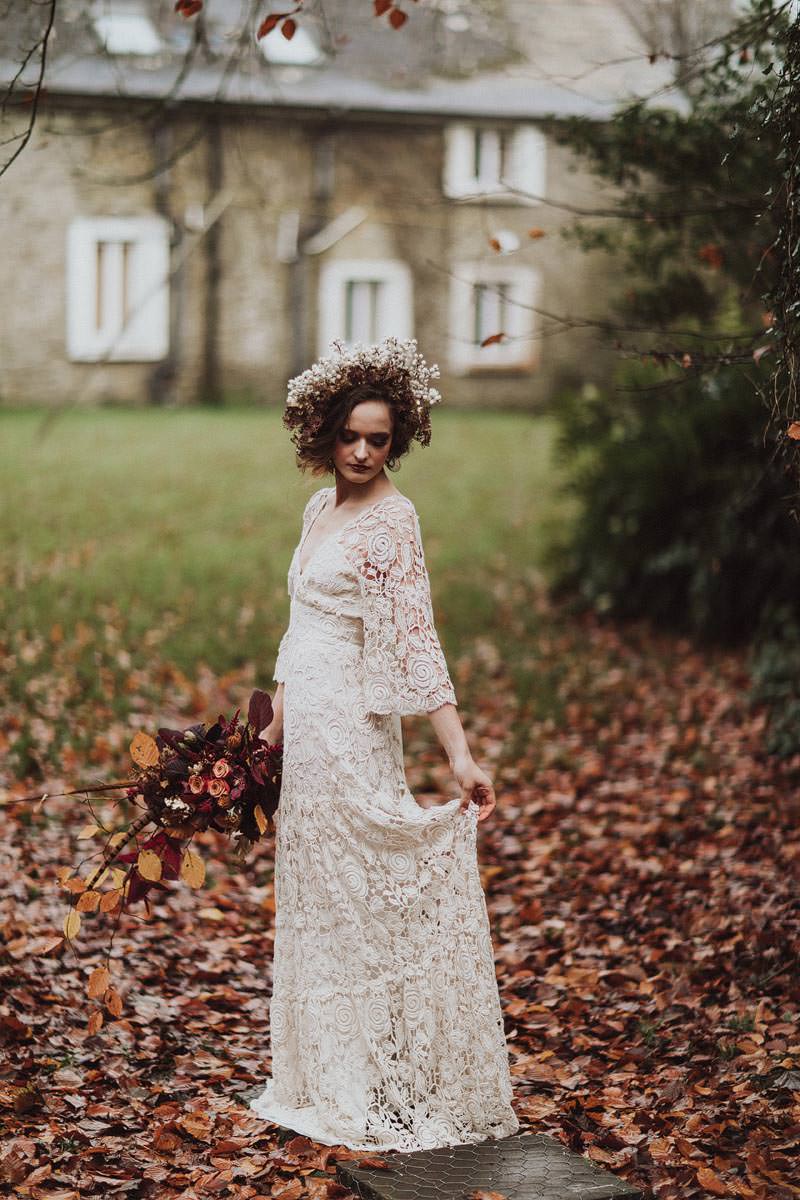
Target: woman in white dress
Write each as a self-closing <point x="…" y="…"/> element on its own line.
<point x="385" y="1020"/>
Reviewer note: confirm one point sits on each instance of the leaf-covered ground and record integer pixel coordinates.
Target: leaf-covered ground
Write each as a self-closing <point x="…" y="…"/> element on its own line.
<point x="641" y="876"/>
<point x="641" y="868"/>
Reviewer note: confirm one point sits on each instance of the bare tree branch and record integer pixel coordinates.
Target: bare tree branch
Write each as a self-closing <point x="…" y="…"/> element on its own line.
<point x="41" y="46"/>
<point x="604" y="325"/>
<point x="241" y="40"/>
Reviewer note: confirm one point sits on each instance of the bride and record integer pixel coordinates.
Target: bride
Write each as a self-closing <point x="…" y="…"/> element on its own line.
<point x="385" y="1021"/>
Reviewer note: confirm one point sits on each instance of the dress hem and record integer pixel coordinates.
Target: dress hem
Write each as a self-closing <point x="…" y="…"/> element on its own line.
<point x="302" y="1121"/>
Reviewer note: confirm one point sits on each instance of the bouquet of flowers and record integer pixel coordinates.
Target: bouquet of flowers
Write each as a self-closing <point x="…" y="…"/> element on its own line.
<point x="187" y="781"/>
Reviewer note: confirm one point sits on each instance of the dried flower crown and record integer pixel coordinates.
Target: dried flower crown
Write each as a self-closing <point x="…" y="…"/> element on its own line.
<point x="394" y="365"/>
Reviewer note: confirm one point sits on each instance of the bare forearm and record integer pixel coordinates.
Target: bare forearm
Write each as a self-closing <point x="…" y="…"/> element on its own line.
<point x="275" y="727"/>
<point x="476" y="786"/>
<point x="277" y="707"/>
<point x="449" y="730"/>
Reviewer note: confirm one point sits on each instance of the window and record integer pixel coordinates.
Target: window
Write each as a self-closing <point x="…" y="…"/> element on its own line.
<point x="124" y="27"/>
<point x="491" y="310"/>
<point x="364" y="301"/>
<point x="486" y="161"/>
<point x="117" y="289"/>
<point x="488" y="299"/>
<point x="301" y="50"/>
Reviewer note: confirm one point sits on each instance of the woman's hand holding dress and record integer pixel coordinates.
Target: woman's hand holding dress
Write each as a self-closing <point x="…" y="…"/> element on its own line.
<point x="476" y="787"/>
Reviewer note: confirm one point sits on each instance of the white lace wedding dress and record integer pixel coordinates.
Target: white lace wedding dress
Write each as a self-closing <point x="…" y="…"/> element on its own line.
<point x="386" y="1027"/>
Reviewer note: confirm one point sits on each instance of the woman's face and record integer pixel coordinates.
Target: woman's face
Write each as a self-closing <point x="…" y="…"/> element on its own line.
<point x="364" y="442"/>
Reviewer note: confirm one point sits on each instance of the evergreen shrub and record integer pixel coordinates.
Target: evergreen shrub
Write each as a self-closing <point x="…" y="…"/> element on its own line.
<point x="681" y="517"/>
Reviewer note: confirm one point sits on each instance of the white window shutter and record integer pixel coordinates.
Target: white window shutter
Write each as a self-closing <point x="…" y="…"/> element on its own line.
<point x="146" y="332"/>
<point x="117" y="289"/>
<point x="81" y="290"/>
<point x="528" y="157"/>
<point x="458" y="174"/>
<point x="395" y="304"/>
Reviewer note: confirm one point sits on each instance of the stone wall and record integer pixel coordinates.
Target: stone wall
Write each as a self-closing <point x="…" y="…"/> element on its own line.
<point x="241" y="320"/>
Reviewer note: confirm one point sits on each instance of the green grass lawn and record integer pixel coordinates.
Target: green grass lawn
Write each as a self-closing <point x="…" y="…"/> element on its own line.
<point x="136" y="536"/>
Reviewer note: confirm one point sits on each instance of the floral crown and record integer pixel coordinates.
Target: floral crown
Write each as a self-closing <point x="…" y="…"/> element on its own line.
<point x="393" y="365"/>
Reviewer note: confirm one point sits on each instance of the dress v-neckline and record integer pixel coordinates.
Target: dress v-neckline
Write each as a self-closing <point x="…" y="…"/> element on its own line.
<point x="302" y="571"/>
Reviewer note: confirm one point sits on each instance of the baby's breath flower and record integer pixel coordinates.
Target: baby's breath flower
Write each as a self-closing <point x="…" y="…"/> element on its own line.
<point x="177" y="807"/>
<point x="397" y="366"/>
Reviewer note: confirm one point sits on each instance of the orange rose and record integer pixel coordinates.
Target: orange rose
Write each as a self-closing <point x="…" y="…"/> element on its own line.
<point x="197" y="784"/>
<point x="221" y="768"/>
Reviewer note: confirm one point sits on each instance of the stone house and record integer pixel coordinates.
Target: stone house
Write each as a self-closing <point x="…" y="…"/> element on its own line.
<point x="200" y="213"/>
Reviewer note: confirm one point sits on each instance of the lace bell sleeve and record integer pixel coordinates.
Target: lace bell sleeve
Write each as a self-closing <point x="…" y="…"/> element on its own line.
<point x="405" y="671"/>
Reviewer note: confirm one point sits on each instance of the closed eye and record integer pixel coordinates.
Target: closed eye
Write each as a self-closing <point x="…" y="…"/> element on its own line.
<point x="378" y="439"/>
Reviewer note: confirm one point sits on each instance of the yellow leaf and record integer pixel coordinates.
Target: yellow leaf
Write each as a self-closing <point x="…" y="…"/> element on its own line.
<point x="98" y="982"/>
<point x="88" y="902"/>
<point x="72" y="923"/>
<point x="113" y="1002"/>
<point x="47" y="945"/>
<point x="149" y="865"/>
<point x="95" y="1022"/>
<point x="261" y="820"/>
<point x="101" y="877"/>
<point x="212" y="914"/>
<point x="88" y="830"/>
<point x="144" y="750"/>
<point x="117" y="877"/>
<point x="177" y="831"/>
<point x="110" y="900"/>
<point x="193" y="869"/>
<point x="117" y="838"/>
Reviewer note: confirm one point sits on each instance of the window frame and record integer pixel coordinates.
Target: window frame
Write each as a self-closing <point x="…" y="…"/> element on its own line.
<point x="396" y="315"/>
<point x="112" y="21"/>
<point x="520" y="154"/>
<point x="521" y="354"/>
<point x="136" y="325"/>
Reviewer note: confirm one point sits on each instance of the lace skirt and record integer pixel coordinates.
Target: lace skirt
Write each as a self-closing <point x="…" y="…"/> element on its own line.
<point x="385" y="1020"/>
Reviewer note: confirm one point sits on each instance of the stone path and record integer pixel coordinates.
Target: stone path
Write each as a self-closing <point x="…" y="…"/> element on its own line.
<point x="523" y="1167"/>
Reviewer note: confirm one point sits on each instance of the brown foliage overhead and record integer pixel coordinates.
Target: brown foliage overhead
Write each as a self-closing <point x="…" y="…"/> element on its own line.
<point x="285" y="21"/>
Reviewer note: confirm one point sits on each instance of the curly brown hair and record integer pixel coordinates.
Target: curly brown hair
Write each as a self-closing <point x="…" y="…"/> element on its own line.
<point x="315" y="446"/>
